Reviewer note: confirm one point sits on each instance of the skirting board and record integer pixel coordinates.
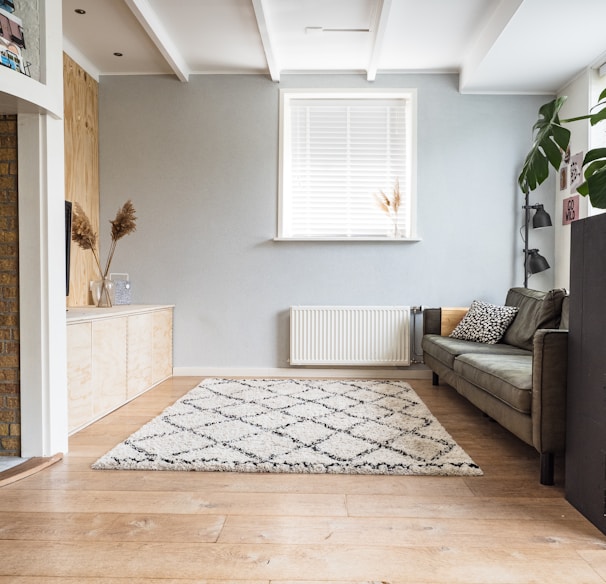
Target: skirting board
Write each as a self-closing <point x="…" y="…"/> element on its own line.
<point x="345" y="373"/>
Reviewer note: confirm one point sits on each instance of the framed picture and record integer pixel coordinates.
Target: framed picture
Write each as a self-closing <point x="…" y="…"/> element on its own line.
<point x="576" y="170"/>
<point x="570" y="209"/>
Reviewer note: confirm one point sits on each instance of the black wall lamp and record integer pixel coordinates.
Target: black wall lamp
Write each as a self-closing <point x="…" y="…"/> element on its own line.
<point x="534" y="262"/>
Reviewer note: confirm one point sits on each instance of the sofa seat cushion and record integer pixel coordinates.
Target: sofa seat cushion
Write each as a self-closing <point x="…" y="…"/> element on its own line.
<point x="506" y="377"/>
<point x="446" y="349"/>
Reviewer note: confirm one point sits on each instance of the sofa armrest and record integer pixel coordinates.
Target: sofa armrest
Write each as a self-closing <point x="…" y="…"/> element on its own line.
<point x="549" y="380"/>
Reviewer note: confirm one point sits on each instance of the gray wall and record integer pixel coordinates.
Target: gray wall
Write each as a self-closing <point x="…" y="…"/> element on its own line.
<point x="200" y="162"/>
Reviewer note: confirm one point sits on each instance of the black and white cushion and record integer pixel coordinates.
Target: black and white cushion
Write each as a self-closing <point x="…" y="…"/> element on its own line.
<point x="484" y="322"/>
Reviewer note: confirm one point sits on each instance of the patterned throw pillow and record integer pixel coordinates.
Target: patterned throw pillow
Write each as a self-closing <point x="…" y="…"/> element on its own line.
<point x="484" y="322"/>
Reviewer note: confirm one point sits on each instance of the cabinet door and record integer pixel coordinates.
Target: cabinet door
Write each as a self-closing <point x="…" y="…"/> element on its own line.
<point x="586" y="395"/>
<point x="162" y="350"/>
<point x="79" y="375"/>
<point x="140" y="341"/>
<point x="109" y="364"/>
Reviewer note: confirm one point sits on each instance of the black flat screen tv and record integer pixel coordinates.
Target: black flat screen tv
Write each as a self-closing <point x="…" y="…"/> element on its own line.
<point x="68" y="242"/>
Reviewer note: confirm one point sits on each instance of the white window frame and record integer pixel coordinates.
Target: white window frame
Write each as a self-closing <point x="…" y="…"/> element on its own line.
<point x="289" y="95"/>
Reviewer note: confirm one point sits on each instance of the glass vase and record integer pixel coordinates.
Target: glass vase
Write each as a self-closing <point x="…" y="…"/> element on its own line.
<point x="396" y="232"/>
<point x="103" y="293"/>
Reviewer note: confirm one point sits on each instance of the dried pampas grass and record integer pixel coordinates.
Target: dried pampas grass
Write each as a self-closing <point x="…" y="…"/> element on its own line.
<point x="124" y="223"/>
<point x="387" y="205"/>
<point x="82" y="230"/>
<point x="390" y="206"/>
<point x="83" y="234"/>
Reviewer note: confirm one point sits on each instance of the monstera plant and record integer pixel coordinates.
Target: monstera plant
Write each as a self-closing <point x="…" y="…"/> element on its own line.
<point x="551" y="141"/>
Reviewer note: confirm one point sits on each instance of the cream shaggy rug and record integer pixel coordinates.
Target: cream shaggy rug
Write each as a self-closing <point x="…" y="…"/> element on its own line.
<point x="295" y="426"/>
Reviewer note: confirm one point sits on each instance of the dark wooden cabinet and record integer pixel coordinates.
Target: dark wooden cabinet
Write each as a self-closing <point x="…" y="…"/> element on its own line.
<point x="586" y="394"/>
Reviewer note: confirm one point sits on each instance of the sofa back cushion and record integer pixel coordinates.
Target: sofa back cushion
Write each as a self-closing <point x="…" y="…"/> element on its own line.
<point x="536" y="309"/>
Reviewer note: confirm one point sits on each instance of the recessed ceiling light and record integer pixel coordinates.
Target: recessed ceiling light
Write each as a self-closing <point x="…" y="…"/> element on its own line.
<point x="80" y="11"/>
<point x="118" y="54"/>
<point x="320" y="29"/>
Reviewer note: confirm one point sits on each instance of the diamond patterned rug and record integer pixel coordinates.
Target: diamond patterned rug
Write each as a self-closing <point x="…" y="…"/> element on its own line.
<point x="295" y="426"/>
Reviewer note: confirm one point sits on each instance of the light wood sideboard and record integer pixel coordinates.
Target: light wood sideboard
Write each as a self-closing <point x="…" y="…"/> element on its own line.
<point x="113" y="355"/>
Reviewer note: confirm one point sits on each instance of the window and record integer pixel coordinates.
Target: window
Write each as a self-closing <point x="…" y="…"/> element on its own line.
<point x="339" y="151"/>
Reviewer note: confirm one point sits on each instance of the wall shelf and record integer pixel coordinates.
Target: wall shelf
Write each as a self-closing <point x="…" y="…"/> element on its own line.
<point x="21" y="94"/>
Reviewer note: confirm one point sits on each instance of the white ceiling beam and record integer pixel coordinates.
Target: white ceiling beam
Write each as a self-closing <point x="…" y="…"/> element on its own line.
<point x="381" y="27"/>
<point x="154" y="28"/>
<point x="268" y="48"/>
<point x="487" y="39"/>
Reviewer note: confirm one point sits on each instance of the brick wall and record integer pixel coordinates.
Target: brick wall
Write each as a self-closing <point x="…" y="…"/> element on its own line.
<point x="10" y="430"/>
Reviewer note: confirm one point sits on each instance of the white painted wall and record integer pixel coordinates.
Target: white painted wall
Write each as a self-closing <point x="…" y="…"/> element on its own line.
<point x="597" y="133"/>
<point x="582" y="94"/>
<point x="200" y="162"/>
<point x="579" y="100"/>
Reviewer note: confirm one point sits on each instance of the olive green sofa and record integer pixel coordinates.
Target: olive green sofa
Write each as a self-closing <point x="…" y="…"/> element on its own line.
<point x="520" y="381"/>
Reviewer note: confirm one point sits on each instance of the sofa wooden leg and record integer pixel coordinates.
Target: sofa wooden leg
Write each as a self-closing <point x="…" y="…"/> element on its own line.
<point x="435" y="379"/>
<point x="547" y="465"/>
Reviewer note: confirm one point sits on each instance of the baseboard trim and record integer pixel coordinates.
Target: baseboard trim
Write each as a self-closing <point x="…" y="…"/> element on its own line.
<point x="288" y="372"/>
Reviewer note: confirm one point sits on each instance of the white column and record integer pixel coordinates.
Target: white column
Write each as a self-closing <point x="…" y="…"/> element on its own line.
<point x="44" y="426"/>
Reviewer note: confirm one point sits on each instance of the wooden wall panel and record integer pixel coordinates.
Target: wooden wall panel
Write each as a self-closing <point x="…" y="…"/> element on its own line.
<point x="451" y="317"/>
<point x="81" y="103"/>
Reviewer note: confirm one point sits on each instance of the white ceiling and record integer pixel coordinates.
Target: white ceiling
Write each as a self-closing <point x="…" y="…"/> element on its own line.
<point x="497" y="46"/>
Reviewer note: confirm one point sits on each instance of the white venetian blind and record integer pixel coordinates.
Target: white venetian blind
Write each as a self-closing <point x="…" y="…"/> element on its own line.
<point x="339" y="152"/>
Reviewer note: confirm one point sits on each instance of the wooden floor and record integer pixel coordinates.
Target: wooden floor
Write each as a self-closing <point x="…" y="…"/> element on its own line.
<point x="68" y="524"/>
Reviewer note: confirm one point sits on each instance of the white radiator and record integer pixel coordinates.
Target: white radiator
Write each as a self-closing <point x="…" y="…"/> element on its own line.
<point x="350" y="335"/>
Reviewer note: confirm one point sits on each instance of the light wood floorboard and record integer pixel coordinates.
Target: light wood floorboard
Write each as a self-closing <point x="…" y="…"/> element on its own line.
<point x="69" y="524"/>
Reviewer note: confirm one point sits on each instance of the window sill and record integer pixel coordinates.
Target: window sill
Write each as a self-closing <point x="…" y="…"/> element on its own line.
<point x="356" y="239"/>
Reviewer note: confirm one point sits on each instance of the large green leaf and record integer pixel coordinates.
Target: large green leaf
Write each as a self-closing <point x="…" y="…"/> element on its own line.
<point x="551" y="140"/>
<point x="595" y="177"/>
<point x="598" y="111"/>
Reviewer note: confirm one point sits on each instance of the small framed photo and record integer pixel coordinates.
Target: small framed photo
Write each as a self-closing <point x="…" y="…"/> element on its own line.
<point x="564" y="178"/>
